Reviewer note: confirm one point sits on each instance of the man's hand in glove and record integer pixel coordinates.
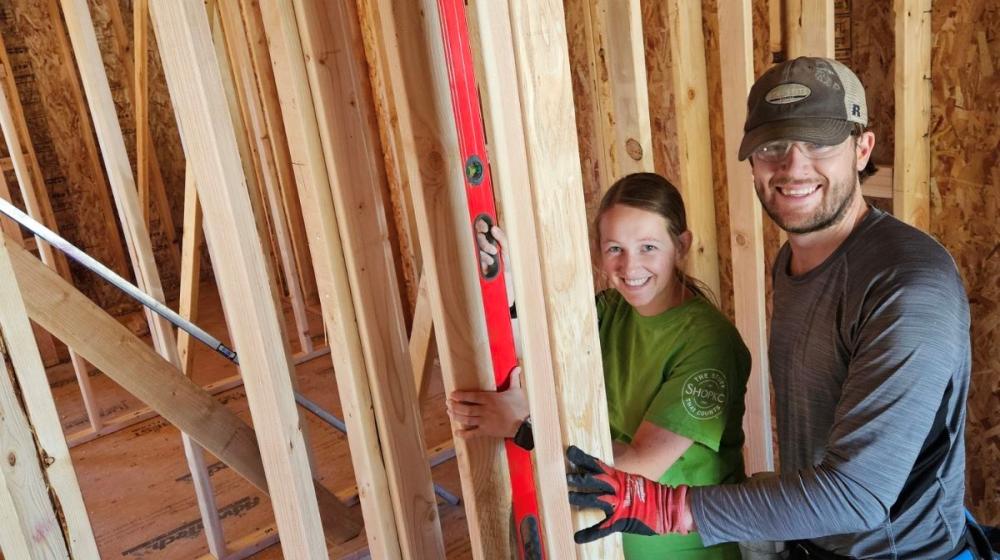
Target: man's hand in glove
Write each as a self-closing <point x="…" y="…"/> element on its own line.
<point x="633" y="503"/>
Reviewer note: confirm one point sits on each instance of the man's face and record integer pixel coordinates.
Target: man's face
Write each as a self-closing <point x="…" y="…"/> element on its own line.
<point x="809" y="188"/>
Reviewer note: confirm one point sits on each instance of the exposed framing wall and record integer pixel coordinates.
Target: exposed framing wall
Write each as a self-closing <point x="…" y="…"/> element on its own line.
<point x="964" y="103"/>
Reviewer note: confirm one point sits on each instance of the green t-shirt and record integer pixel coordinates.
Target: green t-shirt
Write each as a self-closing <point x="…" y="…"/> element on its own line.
<point x="686" y="371"/>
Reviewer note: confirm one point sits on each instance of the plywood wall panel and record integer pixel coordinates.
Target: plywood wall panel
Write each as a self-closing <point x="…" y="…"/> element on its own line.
<point x="872" y="53"/>
<point x="49" y="92"/>
<point x="965" y="212"/>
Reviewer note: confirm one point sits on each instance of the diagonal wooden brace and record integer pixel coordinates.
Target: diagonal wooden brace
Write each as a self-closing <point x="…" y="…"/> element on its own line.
<point x="66" y="313"/>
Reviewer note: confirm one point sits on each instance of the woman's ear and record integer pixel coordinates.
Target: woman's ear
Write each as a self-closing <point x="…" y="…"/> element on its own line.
<point x="684" y="240"/>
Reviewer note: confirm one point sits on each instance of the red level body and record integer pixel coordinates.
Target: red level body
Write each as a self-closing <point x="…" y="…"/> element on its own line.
<point x="479" y="188"/>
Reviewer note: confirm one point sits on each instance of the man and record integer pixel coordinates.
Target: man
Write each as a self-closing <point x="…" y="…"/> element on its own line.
<point x="869" y="351"/>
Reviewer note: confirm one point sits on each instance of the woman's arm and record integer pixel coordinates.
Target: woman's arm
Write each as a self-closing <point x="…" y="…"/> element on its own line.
<point x="653" y="450"/>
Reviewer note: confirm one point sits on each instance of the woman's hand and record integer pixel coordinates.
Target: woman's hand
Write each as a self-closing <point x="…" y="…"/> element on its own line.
<point x="489" y="251"/>
<point x="489" y="413"/>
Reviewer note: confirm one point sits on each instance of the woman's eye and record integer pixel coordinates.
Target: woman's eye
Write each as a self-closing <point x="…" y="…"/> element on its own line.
<point x="613" y="250"/>
<point x="649" y="247"/>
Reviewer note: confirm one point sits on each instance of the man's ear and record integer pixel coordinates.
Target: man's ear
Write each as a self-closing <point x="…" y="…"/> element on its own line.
<point x="685" y="240"/>
<point x="864" y="145"/>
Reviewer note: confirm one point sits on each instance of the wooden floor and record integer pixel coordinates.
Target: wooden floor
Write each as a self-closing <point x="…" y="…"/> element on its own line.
<point x="136" y="483"/>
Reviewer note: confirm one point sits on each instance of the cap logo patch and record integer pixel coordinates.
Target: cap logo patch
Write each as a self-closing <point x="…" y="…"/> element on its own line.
<point x="787" y="93"/>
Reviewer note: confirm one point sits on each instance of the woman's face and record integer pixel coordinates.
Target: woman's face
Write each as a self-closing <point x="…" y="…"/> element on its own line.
<point x="640" y="258"/>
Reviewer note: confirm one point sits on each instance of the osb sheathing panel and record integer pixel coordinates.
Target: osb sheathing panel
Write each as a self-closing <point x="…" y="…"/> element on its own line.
<point x="965" y="211"/>
<point x="872" y="47"/>
<point x="50" y="95"/>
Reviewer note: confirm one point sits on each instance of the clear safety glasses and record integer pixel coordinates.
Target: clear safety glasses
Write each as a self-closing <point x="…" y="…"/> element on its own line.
<point x="778" y="150"/>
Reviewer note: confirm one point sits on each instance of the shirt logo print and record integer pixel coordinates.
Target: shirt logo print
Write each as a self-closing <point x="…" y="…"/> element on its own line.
<point x="704" y="394"/>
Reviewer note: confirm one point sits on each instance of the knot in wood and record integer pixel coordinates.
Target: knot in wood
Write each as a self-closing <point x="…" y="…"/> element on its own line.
<point x="633" y="148"/>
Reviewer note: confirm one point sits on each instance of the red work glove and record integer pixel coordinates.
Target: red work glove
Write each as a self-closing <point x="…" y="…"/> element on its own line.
<point x="632" y="502"/>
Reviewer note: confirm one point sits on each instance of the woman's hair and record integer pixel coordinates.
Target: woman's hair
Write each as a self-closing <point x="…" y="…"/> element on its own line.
<point x="652" y="193"/>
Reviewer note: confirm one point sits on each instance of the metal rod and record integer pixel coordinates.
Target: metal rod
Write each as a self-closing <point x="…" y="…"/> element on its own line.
<point x="180" y="322"/>
<point x="321" y="413"/>
<point x="106" y="273"/>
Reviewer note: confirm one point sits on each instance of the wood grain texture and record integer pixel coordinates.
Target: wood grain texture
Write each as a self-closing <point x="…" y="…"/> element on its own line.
<point x="131" y="363"/>
<point x="260" y="149"/>
<point x="745" y="223"/>
<point x="257" y="40"/>
<point x="333" y="52"/>
<point x="543" y="76"/>
<point x="586" y="101"/>
<point x="688" y="73"/>
<point x="195" y="83"/>
<point x="808" y="28"/>
<point x="407" y="45"/>
<point x="911" y="176"/>
<point x="117" y="52"/>
<point x="40" y="494"/>
<point x="612" y="40"/>
<point x="326" y="247"/>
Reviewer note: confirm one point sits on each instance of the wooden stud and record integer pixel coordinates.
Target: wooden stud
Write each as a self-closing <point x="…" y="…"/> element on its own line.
<point x="406" y="43"/>
<point x="7" y="225"/>
<point x="746" y="230"/>
<point x="421" y="337"/>
<point x="134" y="220"/>
<point x="395" y="149"/>
<point x="313" y="183"/>
<point x="193" y="239"/>
<point x="37" y="204"/>
<point x="911" y="180"/>
<point x="334" y="56"/>
<point x="541" y="64"/>
<point x="809" y="28"/>
<point x="36" y="469"/>
<point x="196" y="88"/>
<point x="156" y="195"/>
<point x="618" y="58"/>
<point x="247" y="151"/>
<point x="140" y="105"/>
<point x="879" y="185"/>
<point x="279" y="145"/>
<point x="190" y="281"/>
<point x="195" y="84"/>
<point x="776" y="35"/>
<point x="250" y="103"/>
<point x="690" y="85"/>
<point x="30" y="529"/>
<point x="128" y="361"/>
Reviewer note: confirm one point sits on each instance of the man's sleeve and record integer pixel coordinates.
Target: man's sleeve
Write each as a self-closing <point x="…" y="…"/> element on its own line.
<point x="912" y="339"/>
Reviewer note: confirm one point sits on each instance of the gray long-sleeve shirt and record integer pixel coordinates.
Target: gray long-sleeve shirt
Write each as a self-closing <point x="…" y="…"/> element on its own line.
<point x="870" y="359"/>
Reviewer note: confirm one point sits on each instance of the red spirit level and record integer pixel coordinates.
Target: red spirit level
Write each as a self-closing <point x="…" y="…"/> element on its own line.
<point x="479" y="188"/>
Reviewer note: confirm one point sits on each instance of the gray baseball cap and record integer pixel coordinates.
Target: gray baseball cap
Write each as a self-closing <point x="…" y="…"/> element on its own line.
<point x="810" y="99"/>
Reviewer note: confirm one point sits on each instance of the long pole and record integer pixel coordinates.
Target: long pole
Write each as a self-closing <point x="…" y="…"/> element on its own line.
<point x="106" y="273"/>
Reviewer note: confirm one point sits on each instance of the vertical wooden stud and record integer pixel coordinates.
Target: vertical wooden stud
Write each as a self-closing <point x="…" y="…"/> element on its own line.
<point x="746" y="230"/>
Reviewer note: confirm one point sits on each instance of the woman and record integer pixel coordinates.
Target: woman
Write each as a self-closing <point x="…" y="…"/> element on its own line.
<point x="675" y="368"/>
